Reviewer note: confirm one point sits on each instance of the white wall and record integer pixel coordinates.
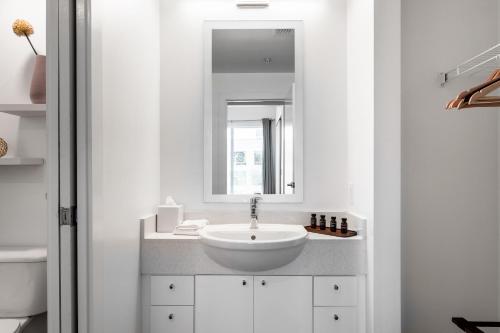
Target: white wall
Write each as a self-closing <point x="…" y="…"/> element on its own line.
<point x="449" y="169"/>
<point x="17" y="56"/>
<point x="360" y="112"/>
<point x="125" y="155"/>
<point x="387" y="167"/>
<point x="360" y="105"/>
<point x="325" y="132"/>
<point x="374" y="150"/>
<point x="22" y="189"/>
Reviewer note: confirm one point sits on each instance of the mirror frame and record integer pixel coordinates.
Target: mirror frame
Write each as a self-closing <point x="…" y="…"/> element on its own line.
<point x="297" y="25"/>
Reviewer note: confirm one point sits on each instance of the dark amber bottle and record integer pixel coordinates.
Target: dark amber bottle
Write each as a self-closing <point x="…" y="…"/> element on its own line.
<point x="322" y="222"/>
<point x="344" y="226"/>
<point x="333" y="224"/>
<point x="314" y="222"/>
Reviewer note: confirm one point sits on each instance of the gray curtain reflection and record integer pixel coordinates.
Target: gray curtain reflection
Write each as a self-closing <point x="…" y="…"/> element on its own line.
<point x="268" y="162"/>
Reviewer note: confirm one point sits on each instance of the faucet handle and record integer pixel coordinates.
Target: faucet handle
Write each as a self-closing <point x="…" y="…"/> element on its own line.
<point x="255" y="198"/>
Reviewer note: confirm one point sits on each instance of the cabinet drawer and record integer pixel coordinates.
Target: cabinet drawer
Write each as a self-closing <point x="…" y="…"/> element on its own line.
<point x="335" y="291"/>
<point x="171" y="319"/>
<point x="335" y="320"/>
<point x="172" y="290"/>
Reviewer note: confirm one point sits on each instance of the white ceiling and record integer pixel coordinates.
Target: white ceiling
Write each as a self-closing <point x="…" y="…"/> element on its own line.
<point x="245" y="51"/>
<point x="252" y="112"/>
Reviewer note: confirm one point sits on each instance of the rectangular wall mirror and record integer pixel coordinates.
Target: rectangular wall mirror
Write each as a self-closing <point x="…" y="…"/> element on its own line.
<point x="253" y="110"/>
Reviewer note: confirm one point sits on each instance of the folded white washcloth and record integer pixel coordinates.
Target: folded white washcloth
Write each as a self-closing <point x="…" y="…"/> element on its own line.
<point x="193" y="224"/>
<point x="186" y="232"/>
<point x="190" y="227"/>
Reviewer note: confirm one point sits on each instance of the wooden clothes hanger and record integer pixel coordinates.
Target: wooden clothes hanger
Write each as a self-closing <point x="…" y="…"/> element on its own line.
<point x="465" y="95"/>
<point x="484" y="92"/>
<point x="475" y="97"/>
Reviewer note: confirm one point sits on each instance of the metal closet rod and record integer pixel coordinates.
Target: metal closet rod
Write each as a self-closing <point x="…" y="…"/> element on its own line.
<point x="476" y="63"/>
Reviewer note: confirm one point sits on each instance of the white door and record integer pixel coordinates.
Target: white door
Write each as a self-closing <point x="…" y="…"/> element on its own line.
<point x="61" y="164"/>
<point x="283" y="304"/>
<point x="224" y="304"/>
<point x="67" y="166"/>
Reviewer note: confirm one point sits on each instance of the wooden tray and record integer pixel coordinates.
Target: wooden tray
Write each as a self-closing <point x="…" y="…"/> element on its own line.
<point x="350" y="233"/>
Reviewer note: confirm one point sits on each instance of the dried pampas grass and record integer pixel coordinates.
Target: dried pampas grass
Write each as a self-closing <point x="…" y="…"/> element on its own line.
<point x="3" y="147"/>
<point x="22" y="28"/>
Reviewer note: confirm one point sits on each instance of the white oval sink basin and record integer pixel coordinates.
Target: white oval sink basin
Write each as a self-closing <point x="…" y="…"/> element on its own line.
<point x="238" y="247"/>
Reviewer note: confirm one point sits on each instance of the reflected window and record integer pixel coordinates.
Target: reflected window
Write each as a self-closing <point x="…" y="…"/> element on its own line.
<point x="245" y="142"/>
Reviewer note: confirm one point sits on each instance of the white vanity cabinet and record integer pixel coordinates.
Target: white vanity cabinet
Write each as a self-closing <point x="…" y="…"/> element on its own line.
<point x="254" y="304"/>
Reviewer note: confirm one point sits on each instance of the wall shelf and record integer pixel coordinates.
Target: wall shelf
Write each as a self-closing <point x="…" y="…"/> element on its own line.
<point x="24" y="110"/>
<point x="489" y="59"/>
<point x="13" y="161"/>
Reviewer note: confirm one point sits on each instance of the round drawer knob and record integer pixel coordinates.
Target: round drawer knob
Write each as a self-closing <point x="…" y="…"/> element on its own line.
<point x="244" y="282"/>
<point x="263" y="282"/>
<point x="171" y="316"/>
<point x="172" y="286"/>
<point x="336" y="317"/>
<point x="336" y="287"/>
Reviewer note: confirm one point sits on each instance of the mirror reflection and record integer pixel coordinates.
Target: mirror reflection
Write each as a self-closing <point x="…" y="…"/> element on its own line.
<point x="253" y="78"/>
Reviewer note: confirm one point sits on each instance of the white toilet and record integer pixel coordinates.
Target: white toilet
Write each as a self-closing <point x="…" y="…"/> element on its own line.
<point x="23" y="286"/>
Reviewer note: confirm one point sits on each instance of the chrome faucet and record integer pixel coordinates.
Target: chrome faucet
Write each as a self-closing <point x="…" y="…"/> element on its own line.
<point x="253" y="210"/>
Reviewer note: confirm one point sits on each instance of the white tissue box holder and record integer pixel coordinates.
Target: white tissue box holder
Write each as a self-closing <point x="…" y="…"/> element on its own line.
<point x="169" y="217"/>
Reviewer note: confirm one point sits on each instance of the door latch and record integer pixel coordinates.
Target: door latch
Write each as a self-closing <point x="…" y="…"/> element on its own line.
<point x="67" y="216"/>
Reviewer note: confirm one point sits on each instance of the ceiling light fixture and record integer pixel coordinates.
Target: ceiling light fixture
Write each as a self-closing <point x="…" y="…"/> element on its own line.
<point x="268" y="60"/>
<point x="252" y="4"/>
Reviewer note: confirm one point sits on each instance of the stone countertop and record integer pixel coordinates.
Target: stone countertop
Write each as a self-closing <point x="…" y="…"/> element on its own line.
<point x="171" y="236"/>
<point x="169" y="254"/>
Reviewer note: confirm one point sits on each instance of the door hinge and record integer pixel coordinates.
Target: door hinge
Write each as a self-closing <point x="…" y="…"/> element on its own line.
<point x="67" y="216"/>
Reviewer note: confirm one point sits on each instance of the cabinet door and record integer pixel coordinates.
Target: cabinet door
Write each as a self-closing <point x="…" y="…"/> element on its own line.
<point x="224" y="304"/>
<point x="283" y="304"/>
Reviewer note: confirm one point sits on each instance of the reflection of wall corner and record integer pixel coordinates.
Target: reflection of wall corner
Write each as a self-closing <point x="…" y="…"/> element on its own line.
<point x="252" y="4"/>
